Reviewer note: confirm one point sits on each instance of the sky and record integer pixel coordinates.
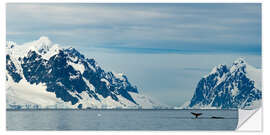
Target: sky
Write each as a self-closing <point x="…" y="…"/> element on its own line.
<point x="164" y="49"/>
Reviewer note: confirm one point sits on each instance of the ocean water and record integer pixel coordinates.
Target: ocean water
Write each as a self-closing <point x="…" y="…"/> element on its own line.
<point x="120" y="120"/>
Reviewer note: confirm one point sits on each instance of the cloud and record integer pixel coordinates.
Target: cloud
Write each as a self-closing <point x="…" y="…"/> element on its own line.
<point x="172" y="26"/>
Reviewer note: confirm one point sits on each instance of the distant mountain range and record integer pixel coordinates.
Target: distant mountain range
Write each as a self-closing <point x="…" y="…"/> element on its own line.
<point x="237" y="86"/>
<point x="41" y="74"/>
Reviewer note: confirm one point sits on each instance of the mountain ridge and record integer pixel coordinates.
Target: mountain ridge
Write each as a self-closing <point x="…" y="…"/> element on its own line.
<point x="76" y="81"/>
<point x="237" y="86"/>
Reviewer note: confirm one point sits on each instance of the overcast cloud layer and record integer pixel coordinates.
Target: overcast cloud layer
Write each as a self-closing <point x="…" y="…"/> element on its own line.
<point x="209" y="27"/>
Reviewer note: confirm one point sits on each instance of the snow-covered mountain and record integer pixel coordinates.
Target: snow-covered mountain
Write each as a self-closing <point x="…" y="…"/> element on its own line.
<point x="41" y="74"/>
<point x="238" y="86"/>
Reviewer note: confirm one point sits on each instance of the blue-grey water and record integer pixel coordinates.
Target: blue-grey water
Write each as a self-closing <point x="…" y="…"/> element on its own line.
<point x="120" y="120"/>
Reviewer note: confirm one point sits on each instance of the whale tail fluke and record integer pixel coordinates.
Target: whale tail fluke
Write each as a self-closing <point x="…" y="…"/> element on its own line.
<point x="196" y="114"/>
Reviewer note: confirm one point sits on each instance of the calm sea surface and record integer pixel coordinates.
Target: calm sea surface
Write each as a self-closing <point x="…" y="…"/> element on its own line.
<point x="120" y="120"/>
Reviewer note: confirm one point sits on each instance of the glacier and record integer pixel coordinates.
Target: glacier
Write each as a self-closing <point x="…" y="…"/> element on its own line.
<point x="43" y="75"/>
<point x="228" y="87"/>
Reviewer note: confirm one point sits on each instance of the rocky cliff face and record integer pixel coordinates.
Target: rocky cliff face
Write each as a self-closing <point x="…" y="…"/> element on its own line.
<point x="75" y="81"/>
<point x="238" y="86"/>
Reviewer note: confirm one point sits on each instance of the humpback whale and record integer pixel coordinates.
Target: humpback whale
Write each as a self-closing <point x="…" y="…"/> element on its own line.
<point x="196" y="114"/>
<point x="215" y="117"/>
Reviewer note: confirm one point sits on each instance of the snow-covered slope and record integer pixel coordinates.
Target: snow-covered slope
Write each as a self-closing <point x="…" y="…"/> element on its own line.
<point x="41" y="74"/>
<point x="238" y="86"/>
